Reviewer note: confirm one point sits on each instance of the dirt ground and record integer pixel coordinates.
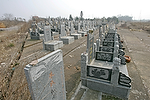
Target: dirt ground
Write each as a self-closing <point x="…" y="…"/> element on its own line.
<point x="11" y="42"/>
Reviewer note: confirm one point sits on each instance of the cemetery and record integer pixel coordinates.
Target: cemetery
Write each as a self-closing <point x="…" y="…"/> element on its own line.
<point x="61" y="59"/>
<point x="103" y="65"/>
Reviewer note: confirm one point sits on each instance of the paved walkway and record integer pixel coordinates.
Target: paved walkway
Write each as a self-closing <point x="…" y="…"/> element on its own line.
<point x="138" y="48"/>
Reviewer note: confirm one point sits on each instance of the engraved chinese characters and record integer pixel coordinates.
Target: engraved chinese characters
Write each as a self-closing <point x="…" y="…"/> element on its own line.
<point x="100" y="73"/>
<point x="46" y="79"/>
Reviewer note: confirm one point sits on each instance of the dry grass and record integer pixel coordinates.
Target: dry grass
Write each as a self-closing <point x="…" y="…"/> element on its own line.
<point x="11" y="43"/>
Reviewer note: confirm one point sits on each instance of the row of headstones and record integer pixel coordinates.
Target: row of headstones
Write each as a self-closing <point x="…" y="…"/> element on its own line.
<point x="111" y="44"/>
<point x="112" y="76"/>
<point x="45" y="76"/>
<point x="38" y="29"/>
<point x="48" y="37"/>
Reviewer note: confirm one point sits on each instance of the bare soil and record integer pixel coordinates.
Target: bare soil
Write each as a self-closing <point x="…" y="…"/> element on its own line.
<point x="11" y="42"/>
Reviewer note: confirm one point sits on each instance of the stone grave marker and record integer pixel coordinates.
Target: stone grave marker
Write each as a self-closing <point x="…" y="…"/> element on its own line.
<point x="78" y="26"/>
<point x="47" y="33"/>
<point x="63" y="36"/>
<point x="106" y="71"/>
<point x="73" y="33"/>
<point x="63" y="32"/>
<point x="45" y="77"/>
<point x="48" y="42"/>
<point x="90" y="45"/>
<point x="34" y="34"/>
<point x="83" y="33"/>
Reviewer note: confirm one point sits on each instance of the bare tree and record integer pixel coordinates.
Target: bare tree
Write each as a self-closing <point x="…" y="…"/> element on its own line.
<point x="8" y="16"/>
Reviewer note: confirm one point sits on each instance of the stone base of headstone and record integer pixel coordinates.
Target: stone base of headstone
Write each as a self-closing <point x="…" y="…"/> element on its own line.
<point x="55" y="33"/>
<point x="108" y="88"/>
<point x="67" y="39"/>
<point x="41" y="36"/>
<point x="35" y="37"/>
<point x="76" y="36"/>
<point x="53" y="45"/>
<point x="82" y="33"/>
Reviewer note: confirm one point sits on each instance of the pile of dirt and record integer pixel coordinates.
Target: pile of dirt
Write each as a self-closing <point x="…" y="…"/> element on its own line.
<point x="2" y="25"/>
<point x="140" y="26"/>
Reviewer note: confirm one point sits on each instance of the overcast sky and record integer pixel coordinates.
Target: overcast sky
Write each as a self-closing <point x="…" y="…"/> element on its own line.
<point x="139" y="9"/>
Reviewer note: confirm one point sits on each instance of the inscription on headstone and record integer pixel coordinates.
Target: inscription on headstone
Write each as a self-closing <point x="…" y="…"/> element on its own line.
<point x="47" y="33"/>
<point x="104" y="56"/>
<point x="106" y="43"/>
<point x="63" y="32"/>
<point x="106" y="49"/>
<point x="90" y="47"/>
<point x="46" y="78"/>
<point x="124" y="80"/>
<point x="100" y="73"/>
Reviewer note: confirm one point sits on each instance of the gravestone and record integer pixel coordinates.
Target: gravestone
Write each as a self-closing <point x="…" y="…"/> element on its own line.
<point x="83" y="33"/>
<point x="63" y="36"/>
<point x="48" y="42"/>
<point x="73" y="33"/>
<point x="45" y="77"/>
<point x="90" y="45"/>
<point x="79" y="26"/>
<point x="34" y="34"/>
<point x="106" y="71"/>
<point x="47" y="33"/>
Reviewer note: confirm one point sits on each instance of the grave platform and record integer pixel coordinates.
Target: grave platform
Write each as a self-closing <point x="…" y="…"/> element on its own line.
<point x="35" y="37"/>
<point x="53" y="45"/>
<point x="100" y="78"/>
<point x="67" y="39"/>
<point x="76" y="36"/>
<point x="41" y="36"/>
<point x="82" y="33"/>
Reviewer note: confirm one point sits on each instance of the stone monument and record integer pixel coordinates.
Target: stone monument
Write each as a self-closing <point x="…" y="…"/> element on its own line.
<point x="48" y="42"/>
<point x="73" y="33"/>
<point x="63" y="36"/>
<point x="106" y="71"/>
<point x="45" y="77"/>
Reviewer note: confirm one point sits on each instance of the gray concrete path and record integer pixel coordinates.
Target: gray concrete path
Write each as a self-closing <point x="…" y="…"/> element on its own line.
<point x="138" y="48"/>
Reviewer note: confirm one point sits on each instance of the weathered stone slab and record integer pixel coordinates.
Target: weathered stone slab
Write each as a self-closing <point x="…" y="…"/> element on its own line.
<point x="45" y="77"/>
